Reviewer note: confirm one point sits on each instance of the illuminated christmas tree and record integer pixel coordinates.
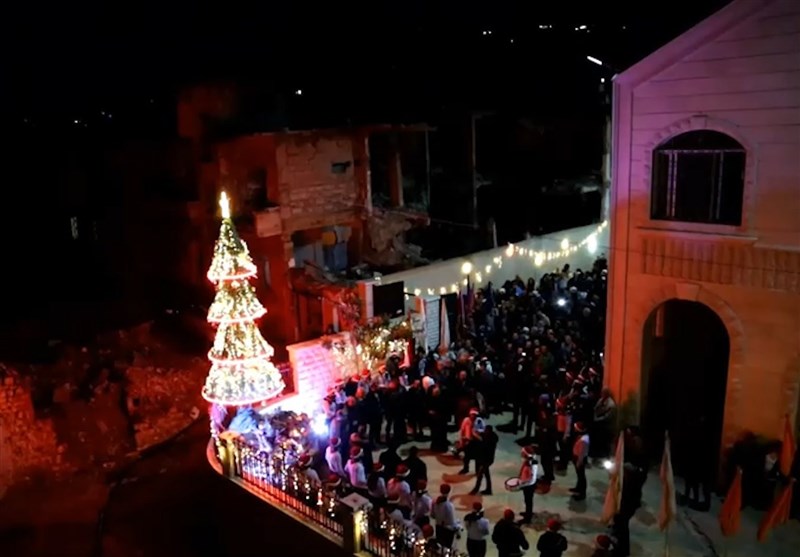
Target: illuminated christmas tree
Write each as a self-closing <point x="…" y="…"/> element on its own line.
<point x="241" y="372"/>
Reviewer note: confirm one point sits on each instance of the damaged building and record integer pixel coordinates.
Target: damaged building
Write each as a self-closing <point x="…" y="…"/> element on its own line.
<point x="305" y="204"/>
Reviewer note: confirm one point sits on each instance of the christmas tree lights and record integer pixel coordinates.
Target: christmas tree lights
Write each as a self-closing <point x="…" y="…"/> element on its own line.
<point x="241" y="371"/>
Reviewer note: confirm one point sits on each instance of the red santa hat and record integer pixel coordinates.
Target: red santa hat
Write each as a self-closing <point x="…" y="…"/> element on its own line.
<point x="427" y="531"/>
<point x="602" y="541"/>
<point x="402" y="471"/>
<point x="445" y="489"/>
<point x="333" y="481"/>
<point x="304" y="461"/>
<point x="393" y="500"/>
<point x="378" y="467"/>
<point x="365" y="373"/>
<point x="580" y="427"/>
<point x="554" y="524"/>
<point x="508" y="514"/>
<point x="529" y="451"/>
<point x="356" y="453"/>
<point x="355" y="437"/>
<point x="474" y="411"/>
<point x="335" y="442"/>
<point x="477" y="506"/>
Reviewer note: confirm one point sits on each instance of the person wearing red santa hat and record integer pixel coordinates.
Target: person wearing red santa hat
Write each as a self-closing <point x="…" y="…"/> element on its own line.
<point x="333" y="485"/>
<point x="334" y="458"/>
<point x="444" y="513"/>
<point x="376" y="485"/>
<point x="304" y="464"/>
<point x="477" y="531"/>
<point x="355" y="471"/>
<point x="508" y="537"/>
<point x="472" y="428"/>
<point x="398" y="488"/>
<point x="529" y="474"/>
<point x="551" y="543"/>
<point x="423" y="504"/>
<point x="603" y="546"/>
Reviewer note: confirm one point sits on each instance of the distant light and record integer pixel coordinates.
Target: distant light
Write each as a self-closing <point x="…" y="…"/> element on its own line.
<point x="319" y="426"/>
<point x="76" y="121"/>
<point x="512" y="41"/>
<point x="582" y="28"/>
<point x="509" y="250"/>
<point x="591" y="243"/>
<point x="561" y="302"/>
<point x="417" y="292"/>
<point x="564" y="244"/>
<point x="608" y="465"/>
<point x="298" y="92"/>
<point x="485" y="33"/>
<point x="602" y="80"/>
<point x="466" y="268"/>
<point x="594" y="60"/>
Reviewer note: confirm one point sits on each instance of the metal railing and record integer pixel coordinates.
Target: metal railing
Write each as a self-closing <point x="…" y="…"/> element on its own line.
<point x="379" y="534"/>
<point x="288" y="489"/>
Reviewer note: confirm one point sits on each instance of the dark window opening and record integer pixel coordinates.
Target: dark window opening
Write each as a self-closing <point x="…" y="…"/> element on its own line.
<point x="340" y="167"/>
<point x="698" y="176"/>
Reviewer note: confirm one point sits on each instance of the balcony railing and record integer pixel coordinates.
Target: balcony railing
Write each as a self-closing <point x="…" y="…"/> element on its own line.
<point x="351" y="521"/>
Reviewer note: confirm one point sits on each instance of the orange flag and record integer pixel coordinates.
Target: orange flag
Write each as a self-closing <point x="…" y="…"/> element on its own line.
<point x="669" y="507"/>
<point x="788" y="448"/>
<point x="614" y="493"/>
<point x="730" y="515"/>
<point x="778" y="513"/>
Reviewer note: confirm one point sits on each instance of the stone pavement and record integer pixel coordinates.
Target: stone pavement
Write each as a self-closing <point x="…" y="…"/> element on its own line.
<point x="691" y="535"/>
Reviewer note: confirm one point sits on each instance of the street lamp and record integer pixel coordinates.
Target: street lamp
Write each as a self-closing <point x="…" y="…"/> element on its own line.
<point x="594" y="60"/>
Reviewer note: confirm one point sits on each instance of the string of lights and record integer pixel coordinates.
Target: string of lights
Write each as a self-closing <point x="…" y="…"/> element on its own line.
<point x="241" y="371"/>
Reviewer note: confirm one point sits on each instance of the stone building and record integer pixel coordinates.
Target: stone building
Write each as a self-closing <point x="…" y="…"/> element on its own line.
<point x="704" y="298"/>
<point x="303" y="202"/>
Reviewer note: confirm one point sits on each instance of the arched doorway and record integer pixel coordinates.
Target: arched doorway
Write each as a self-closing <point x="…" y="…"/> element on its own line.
<point x="685" y="355"/>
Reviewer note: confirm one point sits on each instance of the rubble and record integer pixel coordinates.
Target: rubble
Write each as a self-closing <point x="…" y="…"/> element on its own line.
<point x="95" y="405"/>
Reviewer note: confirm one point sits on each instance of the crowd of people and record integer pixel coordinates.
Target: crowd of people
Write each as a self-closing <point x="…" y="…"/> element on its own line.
<point x="531" y="348"/>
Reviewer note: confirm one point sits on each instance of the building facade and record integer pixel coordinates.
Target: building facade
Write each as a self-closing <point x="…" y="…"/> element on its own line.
<point x="302" y="201"/>
<point x="703" y="336"/>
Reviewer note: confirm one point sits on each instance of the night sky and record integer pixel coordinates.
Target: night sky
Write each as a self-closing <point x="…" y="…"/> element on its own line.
<point x="362" y="60"/>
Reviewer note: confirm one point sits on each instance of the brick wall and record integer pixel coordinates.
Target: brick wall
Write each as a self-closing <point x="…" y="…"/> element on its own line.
<point x="315" y="370"/>
<point x="307" y="181"/>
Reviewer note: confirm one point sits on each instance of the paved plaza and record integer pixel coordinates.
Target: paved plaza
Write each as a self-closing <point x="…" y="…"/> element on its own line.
<point x="692" y="535"/>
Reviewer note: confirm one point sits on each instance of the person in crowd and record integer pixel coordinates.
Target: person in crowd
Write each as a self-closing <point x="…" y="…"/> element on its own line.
<point x="580" y="452"/>
<point x="444" y="513"/>
<point x="472" y="428"/>
<point x="423" y="504"/>
<point x="334" y="458"/>
<point x="398" y="489"/>
<point x="631" y="499"/>
<point x="485" y="459"/>
<point x="304" y="465"/>
<point x="390" y="459"/>
<point x="508" y="536"/>
<point x="477" y="531"/>
<point x="418" y="470"/>
<point x="552" y="543"/>
<point x="376" y="485"/>
<point x="603" y="546"/>
<point x="355" y="470"/>
<point x="529" y="473"/>
<point x="563" y="429"/>
<point x="603" y="423"/>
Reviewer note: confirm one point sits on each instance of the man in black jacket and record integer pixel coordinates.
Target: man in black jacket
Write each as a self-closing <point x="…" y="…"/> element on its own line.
<point x="508" y="537"/>
<point x="551" y="543"/>
<point x="485" y="459"/>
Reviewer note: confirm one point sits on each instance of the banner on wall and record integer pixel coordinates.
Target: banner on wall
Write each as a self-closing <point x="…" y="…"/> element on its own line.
<point x="431" y="322"/>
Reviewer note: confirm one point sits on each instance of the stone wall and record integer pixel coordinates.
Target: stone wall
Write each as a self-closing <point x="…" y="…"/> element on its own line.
<point x="28" y="445"/>
<point x="162" y="401"/>
<point x="315" y="369"/>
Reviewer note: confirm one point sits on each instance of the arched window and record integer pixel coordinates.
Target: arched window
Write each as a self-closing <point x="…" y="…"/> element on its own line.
<point x="698" y="176"/>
